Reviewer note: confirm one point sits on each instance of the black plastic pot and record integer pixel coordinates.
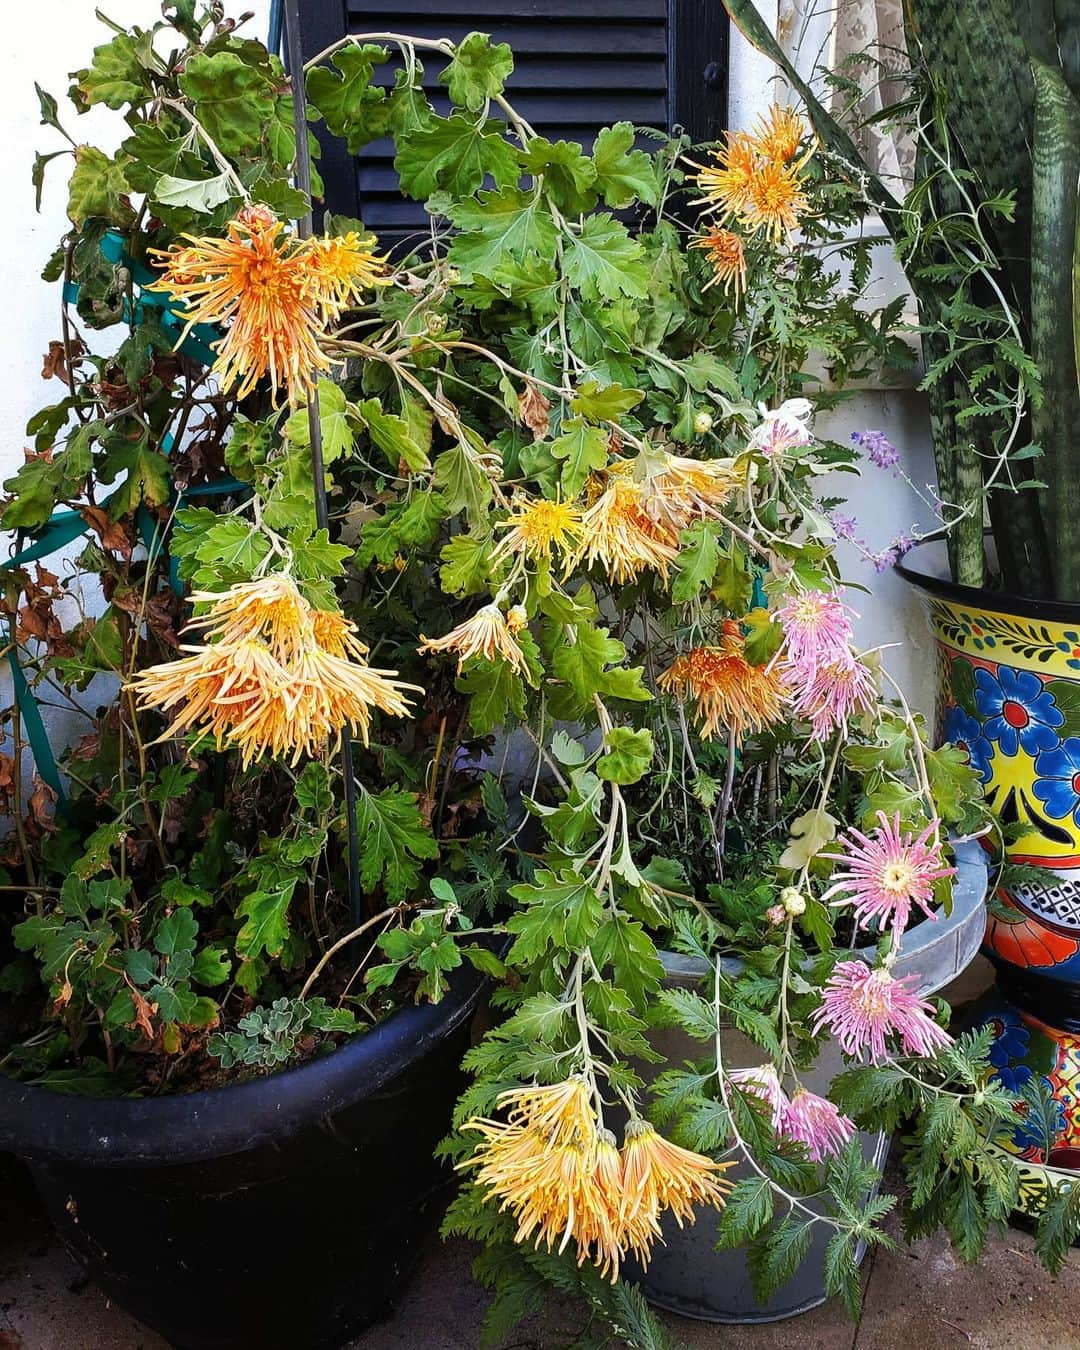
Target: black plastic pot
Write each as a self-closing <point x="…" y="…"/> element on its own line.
<point x="280" y="1214"/>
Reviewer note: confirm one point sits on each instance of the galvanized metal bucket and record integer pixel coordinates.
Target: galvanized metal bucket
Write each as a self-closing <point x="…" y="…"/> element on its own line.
<point x="686" y="1274"/>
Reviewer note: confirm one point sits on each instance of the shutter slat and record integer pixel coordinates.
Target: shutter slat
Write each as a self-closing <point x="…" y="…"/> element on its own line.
<point x="479" y="13"/>
<point x="568" y="38"/>
<point x="570" y="72"/>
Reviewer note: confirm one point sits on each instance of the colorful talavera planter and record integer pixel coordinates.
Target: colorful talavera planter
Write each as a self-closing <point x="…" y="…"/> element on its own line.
<point x="1009" y="697"/>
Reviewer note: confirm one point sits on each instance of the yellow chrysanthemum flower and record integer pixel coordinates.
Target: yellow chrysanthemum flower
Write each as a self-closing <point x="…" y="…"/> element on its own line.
<point x="617" y="532"/>
<point x="263" y="683"/>
<point x="274" y="291"/>
<point x="725" y="252"/>
<point x="754" y="182"/>
<point x="488" y="633"/>
<point x="728" y="692"/>
<point x="536" y="526"/>
<point x="676" y="490"/>
<point x="658" y="1175"/>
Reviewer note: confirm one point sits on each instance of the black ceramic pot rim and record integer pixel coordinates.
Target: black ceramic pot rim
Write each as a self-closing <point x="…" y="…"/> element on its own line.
<point x="935" y="581"/>
<point x="41" y="1125"/>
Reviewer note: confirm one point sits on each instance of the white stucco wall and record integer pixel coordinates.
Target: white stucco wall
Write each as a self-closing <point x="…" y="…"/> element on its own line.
<point x="884" y="506"/>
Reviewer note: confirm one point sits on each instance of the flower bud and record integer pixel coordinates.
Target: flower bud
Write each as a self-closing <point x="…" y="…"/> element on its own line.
<point x="516" y="618"/>
<point x="702" y="423"/>
<point x="776" y="915"/>
<point x="435" y="324"/>
<point x="793" y="901"/>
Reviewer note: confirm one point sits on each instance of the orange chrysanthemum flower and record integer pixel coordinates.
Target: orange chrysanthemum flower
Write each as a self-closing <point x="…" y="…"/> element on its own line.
<point x="536" y="526"/>
<point x="264" y="682"/>
<point x="725" y="252"/>
<point x="658" y="1175"/>
<point x="755" y="181"/>
<point x="779" y="133"/>
<point x="725" y="185"/>
<point x="775" y="200"/>
<point x="276" y="292"/>
<point x="488" y="634"/>
<point x="727" y="690"/>
<point x="617" y="531"/>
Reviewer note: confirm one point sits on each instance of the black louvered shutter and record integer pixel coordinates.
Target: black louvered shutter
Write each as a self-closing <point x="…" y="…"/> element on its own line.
<point x="579" y="65"/>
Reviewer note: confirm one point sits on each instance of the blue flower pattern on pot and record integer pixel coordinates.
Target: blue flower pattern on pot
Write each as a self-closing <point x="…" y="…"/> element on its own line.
<point x="1009" y="1047"/>
<point x="1019" y="711"/>
<point x="1027" y="1135"/>
<point x="965" y="731"/>
<point x="1058" y="787"/>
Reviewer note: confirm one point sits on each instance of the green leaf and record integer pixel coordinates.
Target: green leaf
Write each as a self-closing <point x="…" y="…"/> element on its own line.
<point x="98" y="849"/>
<point x="176" y="933"/>
<point x="201" y="195"/>
<point x="147" y="481"/>
<point x="334" y="419"/>
<point x="623" y="174"/>
<point x="267" y="920"/>
<point x="562" y="911"/>
<point x="212" y="967"/>
<point x="628" y="755"/>
<point x="748" y="1209"/>
<point x="581" y="662"/>
<point x="394" y="838"/>
<point x="764" y="638"/>
<point x="456" y="154"/>
<point x="97" y="187"/>
<point x="344" y="94"/>
<point x="495" y="692"/>
<point x="604" y="263"/>
<point x="1058" y="1226"/>
<point x="842" y="1271"/>
<point x="625" y="946"/>
<point x="582" y="448"/>
<point x="604" y="403"/>
<point x="466" y="564"/>
<point x="464" y="484"/>
<point x="497" y="227"/>
<point x="477" y="71"/>
<point x="696" y="563"/>
<point x="567" y="172"/>
<point x="117" y="75"/>
<point x="233" y="100"/>
<point x="396" y="437"/>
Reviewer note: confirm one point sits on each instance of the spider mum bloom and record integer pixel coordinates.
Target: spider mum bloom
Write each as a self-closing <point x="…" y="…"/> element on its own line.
<point x="774" y="200"/>
<point x="676" y="491"/>
<point x="817" y="1123"/>
<point x="487" y="634"/>
<point x="783" y="429"/>
<point x="554" y="1170"/>
<point x="863" y="1007"/>
<point x="537" y="526"/>
<point x="763" y="1082"/>
<point x="835" y="691"/>
<point x="887" y="872"/>
<point x="727" y="690"/>
<point x="779" y="133"/>
<point x="725" y="185"/>
<point x="263" y="683"/>
<point x="617" y="532"/>
<point x="817" y="632"/>
<point x="725" y="252"/>
<point x="275" y="292"/>
<point x="659" y="1175"/>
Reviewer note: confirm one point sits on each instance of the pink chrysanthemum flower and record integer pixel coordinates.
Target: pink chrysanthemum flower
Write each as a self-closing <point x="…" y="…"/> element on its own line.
<point x="816" y="1122"/>
<point x="763" y="1082"/>
<point x="834" y="692"/>
<point x="817" y="632"/>
<point x="888" y="872"/>
<point x="863" y="1007"/>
